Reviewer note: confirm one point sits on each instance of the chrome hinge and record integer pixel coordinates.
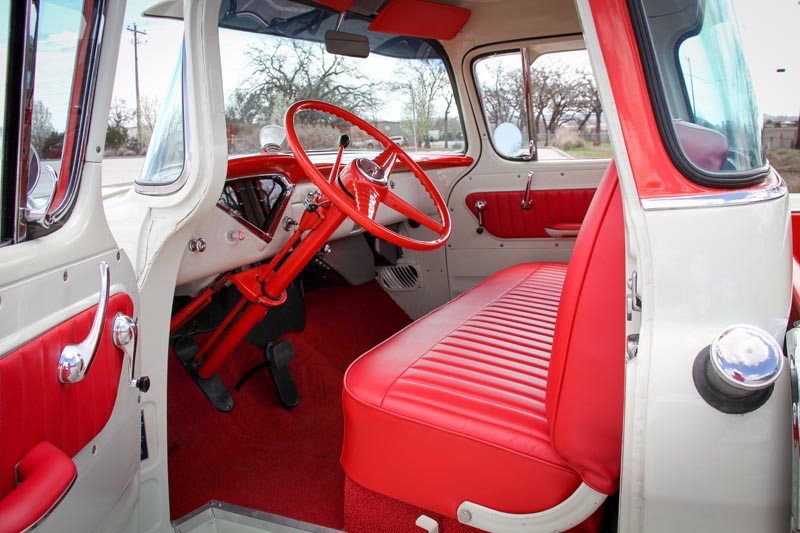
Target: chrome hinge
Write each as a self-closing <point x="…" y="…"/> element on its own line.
<point x="633" y="300"/>
<point x="631" y="346"/>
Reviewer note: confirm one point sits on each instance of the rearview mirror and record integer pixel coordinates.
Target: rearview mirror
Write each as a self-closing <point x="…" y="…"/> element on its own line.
<point x="343" y="43"/>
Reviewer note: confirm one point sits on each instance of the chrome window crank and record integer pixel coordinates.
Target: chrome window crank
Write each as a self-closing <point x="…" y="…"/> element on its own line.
<point x="480" y="207"/>
<point x="76" y="359"/>
<point x="527" y="201"/>
<point x="125" y="334"/>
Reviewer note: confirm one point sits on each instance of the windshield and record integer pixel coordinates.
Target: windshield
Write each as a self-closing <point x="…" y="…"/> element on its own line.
<point x="273" y="55"/>
<point x="707" y="88"/>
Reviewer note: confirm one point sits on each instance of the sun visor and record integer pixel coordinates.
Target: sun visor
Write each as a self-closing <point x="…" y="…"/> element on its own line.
<point x="170" y="9"/>
<point x="421" y="18"/>
<point x="338" y="5"/>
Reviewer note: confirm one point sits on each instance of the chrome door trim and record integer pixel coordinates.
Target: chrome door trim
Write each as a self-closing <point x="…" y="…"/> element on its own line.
<point x="773" y="188"/>
<point x="792" y="340"/>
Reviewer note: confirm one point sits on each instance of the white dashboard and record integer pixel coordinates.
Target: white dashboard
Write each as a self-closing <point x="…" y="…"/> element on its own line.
<point x="225" y="241"/>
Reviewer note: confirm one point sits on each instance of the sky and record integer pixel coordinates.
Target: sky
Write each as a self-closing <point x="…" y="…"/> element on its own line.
<point x="769" y="33"/>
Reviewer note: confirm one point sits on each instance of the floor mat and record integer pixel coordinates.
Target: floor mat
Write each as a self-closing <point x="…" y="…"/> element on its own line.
<point x="260" y="455"/>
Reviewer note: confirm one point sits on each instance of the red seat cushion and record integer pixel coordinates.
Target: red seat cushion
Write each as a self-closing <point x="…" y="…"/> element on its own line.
<point x="452" y="408"/>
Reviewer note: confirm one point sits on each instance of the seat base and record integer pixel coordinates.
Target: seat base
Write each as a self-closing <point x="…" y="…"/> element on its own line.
<point x="451" y="409"/>
<point x="366" y="511"/>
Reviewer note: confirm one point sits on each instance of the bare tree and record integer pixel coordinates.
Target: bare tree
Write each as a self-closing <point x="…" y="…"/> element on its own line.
<point x="502" y="95"/>
<point x="588" y="103"/>
<point x="150" y="106"/>
<point x="284" y="73"/>
<point x="41" y="125"/>
<point x="422" y="83"/>
<point x="448" y="103"/>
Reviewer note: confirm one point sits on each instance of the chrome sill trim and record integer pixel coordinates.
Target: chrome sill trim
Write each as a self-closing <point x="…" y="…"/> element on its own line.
<point x="773" y="188"/>
<point x="245" y="516"/>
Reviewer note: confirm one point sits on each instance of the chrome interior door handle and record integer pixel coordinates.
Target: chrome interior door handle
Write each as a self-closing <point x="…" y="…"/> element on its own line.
<point x="76" y="359"/>
<point x="527" y="201"/>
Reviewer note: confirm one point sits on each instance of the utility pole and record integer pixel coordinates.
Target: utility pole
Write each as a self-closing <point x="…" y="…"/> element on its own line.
<point x="136" y="33"/>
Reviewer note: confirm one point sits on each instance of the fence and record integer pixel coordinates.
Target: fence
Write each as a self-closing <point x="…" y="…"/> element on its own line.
<point x="783" y="137"/>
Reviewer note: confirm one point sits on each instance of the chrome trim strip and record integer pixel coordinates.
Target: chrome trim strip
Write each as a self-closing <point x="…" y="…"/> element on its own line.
<point x="279" y="209"/>
<point x="773" y="188"/>
<point x="792" y="339"/>
<point x="216" y="510"/>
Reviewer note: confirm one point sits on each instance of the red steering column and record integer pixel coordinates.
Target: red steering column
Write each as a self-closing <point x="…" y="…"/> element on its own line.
<point x="357" y="191"/>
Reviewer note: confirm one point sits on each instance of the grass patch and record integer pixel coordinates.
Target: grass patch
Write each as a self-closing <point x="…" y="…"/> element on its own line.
<point x="787" y="162"/>
<point x="590" y="151"/>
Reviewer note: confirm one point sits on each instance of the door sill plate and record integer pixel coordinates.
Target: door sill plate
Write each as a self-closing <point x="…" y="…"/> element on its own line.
<point x="220" y="517"/>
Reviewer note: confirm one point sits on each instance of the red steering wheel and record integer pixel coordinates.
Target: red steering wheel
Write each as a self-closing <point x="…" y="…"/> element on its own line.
<point x="363" y="184"/>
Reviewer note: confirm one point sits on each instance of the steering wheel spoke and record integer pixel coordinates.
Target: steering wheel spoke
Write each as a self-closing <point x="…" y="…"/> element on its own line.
<point x="367" y="200"/>
<point x="386" y="160"/>
<point x="411" y="212"/>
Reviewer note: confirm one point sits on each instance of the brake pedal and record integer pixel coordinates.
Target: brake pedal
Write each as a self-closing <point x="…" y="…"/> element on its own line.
<point x="278" y="355"/>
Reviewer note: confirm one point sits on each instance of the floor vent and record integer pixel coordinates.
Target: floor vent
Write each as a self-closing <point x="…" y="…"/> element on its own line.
<point x="402" y="277"/>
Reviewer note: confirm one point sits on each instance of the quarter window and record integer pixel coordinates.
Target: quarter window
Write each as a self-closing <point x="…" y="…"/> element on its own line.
<point x="167" y="152"/>
<point x="567" y="117"/>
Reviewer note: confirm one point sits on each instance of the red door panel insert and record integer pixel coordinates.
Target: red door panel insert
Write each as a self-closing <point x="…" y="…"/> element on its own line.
<point x="504" y="217"/>
<point x="36" y="407"/>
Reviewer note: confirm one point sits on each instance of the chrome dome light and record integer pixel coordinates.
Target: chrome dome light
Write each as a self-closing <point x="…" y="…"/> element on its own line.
<point x="746" y="358"/>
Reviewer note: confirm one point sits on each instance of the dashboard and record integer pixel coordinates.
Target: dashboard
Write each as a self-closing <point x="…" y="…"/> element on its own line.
<point x="264" y="193"/>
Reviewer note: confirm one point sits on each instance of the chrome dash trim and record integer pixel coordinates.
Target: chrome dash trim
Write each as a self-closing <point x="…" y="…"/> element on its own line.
<point x="773" y="188"/>
<point x="279" y="209"/>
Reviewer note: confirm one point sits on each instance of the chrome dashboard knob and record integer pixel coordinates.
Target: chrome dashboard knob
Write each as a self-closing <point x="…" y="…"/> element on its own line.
<point x="197" y="245"/>
<point x="746" y="358"/>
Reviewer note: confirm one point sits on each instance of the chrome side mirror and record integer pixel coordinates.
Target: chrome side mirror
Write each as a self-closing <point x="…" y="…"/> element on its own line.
<point x="270" y="138"/>
<point x="42" y="185"/>
<point x="507" y="139"/>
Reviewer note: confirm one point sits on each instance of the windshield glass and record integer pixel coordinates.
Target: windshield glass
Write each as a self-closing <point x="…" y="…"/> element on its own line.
<point x="707" y="86"/>
<point x="273" y="55"/>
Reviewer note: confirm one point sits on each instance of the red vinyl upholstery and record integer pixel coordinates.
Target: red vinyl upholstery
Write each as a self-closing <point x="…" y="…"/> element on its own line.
<point x="45" y="474"/>
<point x="421" y="18"/>
<point x="505" y="219"/>
<point x="35" y="407"/>
<point x="482" y="399"/>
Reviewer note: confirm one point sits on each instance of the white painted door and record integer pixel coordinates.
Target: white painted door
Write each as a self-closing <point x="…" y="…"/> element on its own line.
<point x="69" y="401"/>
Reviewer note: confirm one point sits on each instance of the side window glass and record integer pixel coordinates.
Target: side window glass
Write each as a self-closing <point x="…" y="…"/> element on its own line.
<point x="49" y="78"/>
<point x="568" y="119"/>
<point x="61" y="26"/>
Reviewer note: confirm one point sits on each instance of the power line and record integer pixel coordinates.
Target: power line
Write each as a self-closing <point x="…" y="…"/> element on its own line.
<point x="136" y="33"/>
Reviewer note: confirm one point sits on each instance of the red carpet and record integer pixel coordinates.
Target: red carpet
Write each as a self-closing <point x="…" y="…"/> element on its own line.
<point x="260" y="455"/>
